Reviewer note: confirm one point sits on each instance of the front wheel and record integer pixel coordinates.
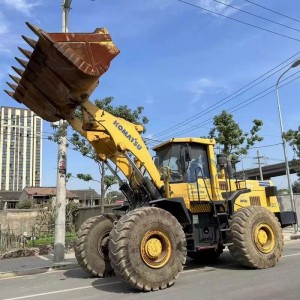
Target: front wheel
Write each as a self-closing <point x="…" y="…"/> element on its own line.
<point x="257" y="237"/>
<point x="147" y="249"/>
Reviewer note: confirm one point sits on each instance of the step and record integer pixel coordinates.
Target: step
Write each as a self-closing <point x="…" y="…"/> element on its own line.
<point x="221" y="214"/>
<point x="228" y="244"/>
<point x="224" y="229"/>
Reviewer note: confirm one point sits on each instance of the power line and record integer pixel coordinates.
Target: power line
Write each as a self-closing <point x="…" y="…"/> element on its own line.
<point x="239" y="21"/>
<point x="209" y="120"/>
<point x="270" y="91"/>
<point x="232" y="96"/>
<point x="257" y="16"/>
<point x="266" y="146"/>
<point x="273" y="11"/>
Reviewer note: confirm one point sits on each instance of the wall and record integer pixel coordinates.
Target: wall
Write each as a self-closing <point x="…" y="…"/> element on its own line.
<point x="285" y="204"/>
<point x="92" y="211"/>
<point x="18" y="220"/>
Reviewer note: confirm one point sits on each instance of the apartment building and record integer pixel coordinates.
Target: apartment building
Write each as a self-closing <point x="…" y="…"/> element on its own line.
<point x="20" y="149"/>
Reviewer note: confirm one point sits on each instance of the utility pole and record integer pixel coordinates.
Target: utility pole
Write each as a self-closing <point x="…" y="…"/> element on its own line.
<point x="61" y="193"/>
<point x="258" y="157"/>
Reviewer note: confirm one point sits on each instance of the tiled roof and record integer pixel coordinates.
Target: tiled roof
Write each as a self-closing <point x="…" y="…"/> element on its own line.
<point x="10" y="195"/>
<point x="46" y="191"/>
<point x="86" y="194"/>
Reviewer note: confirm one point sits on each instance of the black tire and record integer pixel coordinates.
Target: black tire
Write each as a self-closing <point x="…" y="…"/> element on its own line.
<point x="130" y="255"/>
<point x="206" y="256"/>
<point x="257" y="237"/>
<point x="91" y="245"/>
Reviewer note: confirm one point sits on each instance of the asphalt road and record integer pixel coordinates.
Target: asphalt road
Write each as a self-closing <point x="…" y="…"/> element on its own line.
<point x="222" y="280"/>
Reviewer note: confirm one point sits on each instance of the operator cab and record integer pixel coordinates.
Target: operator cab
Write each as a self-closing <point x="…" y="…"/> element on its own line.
<point x="185" y="158"/>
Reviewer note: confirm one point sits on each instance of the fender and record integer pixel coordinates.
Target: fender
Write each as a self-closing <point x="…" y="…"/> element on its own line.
<point x="176" y="207"/>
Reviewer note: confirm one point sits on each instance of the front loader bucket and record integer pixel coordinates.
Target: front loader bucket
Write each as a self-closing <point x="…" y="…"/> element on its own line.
<point x="62" y="71"/>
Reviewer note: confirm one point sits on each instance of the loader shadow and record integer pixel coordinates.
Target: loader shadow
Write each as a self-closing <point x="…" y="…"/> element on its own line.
<point x="226" y="262"/>
<point x="107" y="284"/>
<point x="114" y="285"/>
<point x="77" y="273"/>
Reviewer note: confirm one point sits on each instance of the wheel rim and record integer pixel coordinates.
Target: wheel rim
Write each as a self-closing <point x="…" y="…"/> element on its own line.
<point x="102" y="245"/>
<point x="156" y="249"/>
<point x="264" y="238"/>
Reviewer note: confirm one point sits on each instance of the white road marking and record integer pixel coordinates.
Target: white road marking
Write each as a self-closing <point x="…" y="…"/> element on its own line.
<point x="62" y="291"/>
<point x="290" y="255"/>
<point x="205" y="269"/>
<point x="39" y="274"/>
<point x="43" y="257"/>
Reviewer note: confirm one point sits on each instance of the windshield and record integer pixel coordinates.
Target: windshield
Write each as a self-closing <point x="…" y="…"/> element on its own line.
<point x="171" y="156"/>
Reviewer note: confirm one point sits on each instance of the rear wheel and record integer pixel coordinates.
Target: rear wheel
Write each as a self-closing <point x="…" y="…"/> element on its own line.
<point x="257" y="237"/>
<point x="91" y="245"/>
<point x="147" y="249"/>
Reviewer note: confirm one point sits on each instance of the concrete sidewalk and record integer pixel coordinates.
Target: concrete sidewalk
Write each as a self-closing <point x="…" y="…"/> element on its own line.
<point x="288" y="234"/>
<point x="12" y="267"/>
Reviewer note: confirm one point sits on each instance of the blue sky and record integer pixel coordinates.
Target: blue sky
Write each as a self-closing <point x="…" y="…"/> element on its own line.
<point x="176" y="60"/>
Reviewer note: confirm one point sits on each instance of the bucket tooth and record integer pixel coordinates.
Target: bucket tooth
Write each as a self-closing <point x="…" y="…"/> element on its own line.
<point x="26" y="53"/>
<point x="15" y="78"/>
<point x="12" y="86"/>
<point x="22" y="62"/>
<point x="9" y="93"/>
<point x="18" y="71"/>
<point x="33" y="28"/>
<point x="29" y="41"/>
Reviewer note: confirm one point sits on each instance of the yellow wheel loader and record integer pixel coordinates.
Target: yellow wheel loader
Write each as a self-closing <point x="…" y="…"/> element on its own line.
<point x="182" y="203"/>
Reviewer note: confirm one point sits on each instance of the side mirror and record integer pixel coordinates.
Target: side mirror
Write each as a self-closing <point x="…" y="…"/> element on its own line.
<point x="222" y="160"/>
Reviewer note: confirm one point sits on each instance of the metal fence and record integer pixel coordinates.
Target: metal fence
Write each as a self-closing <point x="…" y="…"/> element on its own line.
<point x="36" y="237"/>
<point x="9" y="240"/>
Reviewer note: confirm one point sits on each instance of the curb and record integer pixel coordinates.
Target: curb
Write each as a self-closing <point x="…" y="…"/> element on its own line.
<point x="63" y="266"/>
<point x="295" y="236"/>
<point x="291" y="236"/>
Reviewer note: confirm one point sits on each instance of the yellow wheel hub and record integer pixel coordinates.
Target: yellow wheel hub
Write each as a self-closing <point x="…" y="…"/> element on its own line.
<point x="264" y="238"/>
<point x="156" y="249"/>
<point x="153" y="248"/>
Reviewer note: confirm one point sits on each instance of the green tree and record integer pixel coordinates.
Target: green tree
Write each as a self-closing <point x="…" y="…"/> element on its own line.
<point x="296" y="187"/>
<point x="293" y="138"/>
<point x="108" y="180"/>
<point x="283" y="192"/>
<point x="231" y="137"/>
<point x="25" y="204"/>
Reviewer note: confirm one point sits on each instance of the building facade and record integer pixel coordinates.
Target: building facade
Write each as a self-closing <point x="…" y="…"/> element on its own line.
<point x="20" y="149"/>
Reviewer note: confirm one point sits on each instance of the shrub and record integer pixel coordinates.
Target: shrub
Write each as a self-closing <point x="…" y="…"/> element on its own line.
<point x="25" y="204"/>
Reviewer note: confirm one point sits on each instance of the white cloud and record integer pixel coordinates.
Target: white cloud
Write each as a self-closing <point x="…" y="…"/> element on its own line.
<point x="217" y="7"/>
<point x="149" y="101"/>
<point x="23" y="6"/>
<point x="3" y="24"/>
<point x="203" y="86"/>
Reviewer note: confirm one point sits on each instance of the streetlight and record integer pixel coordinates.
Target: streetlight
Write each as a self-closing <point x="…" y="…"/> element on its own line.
<point x="293" y="65"/>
